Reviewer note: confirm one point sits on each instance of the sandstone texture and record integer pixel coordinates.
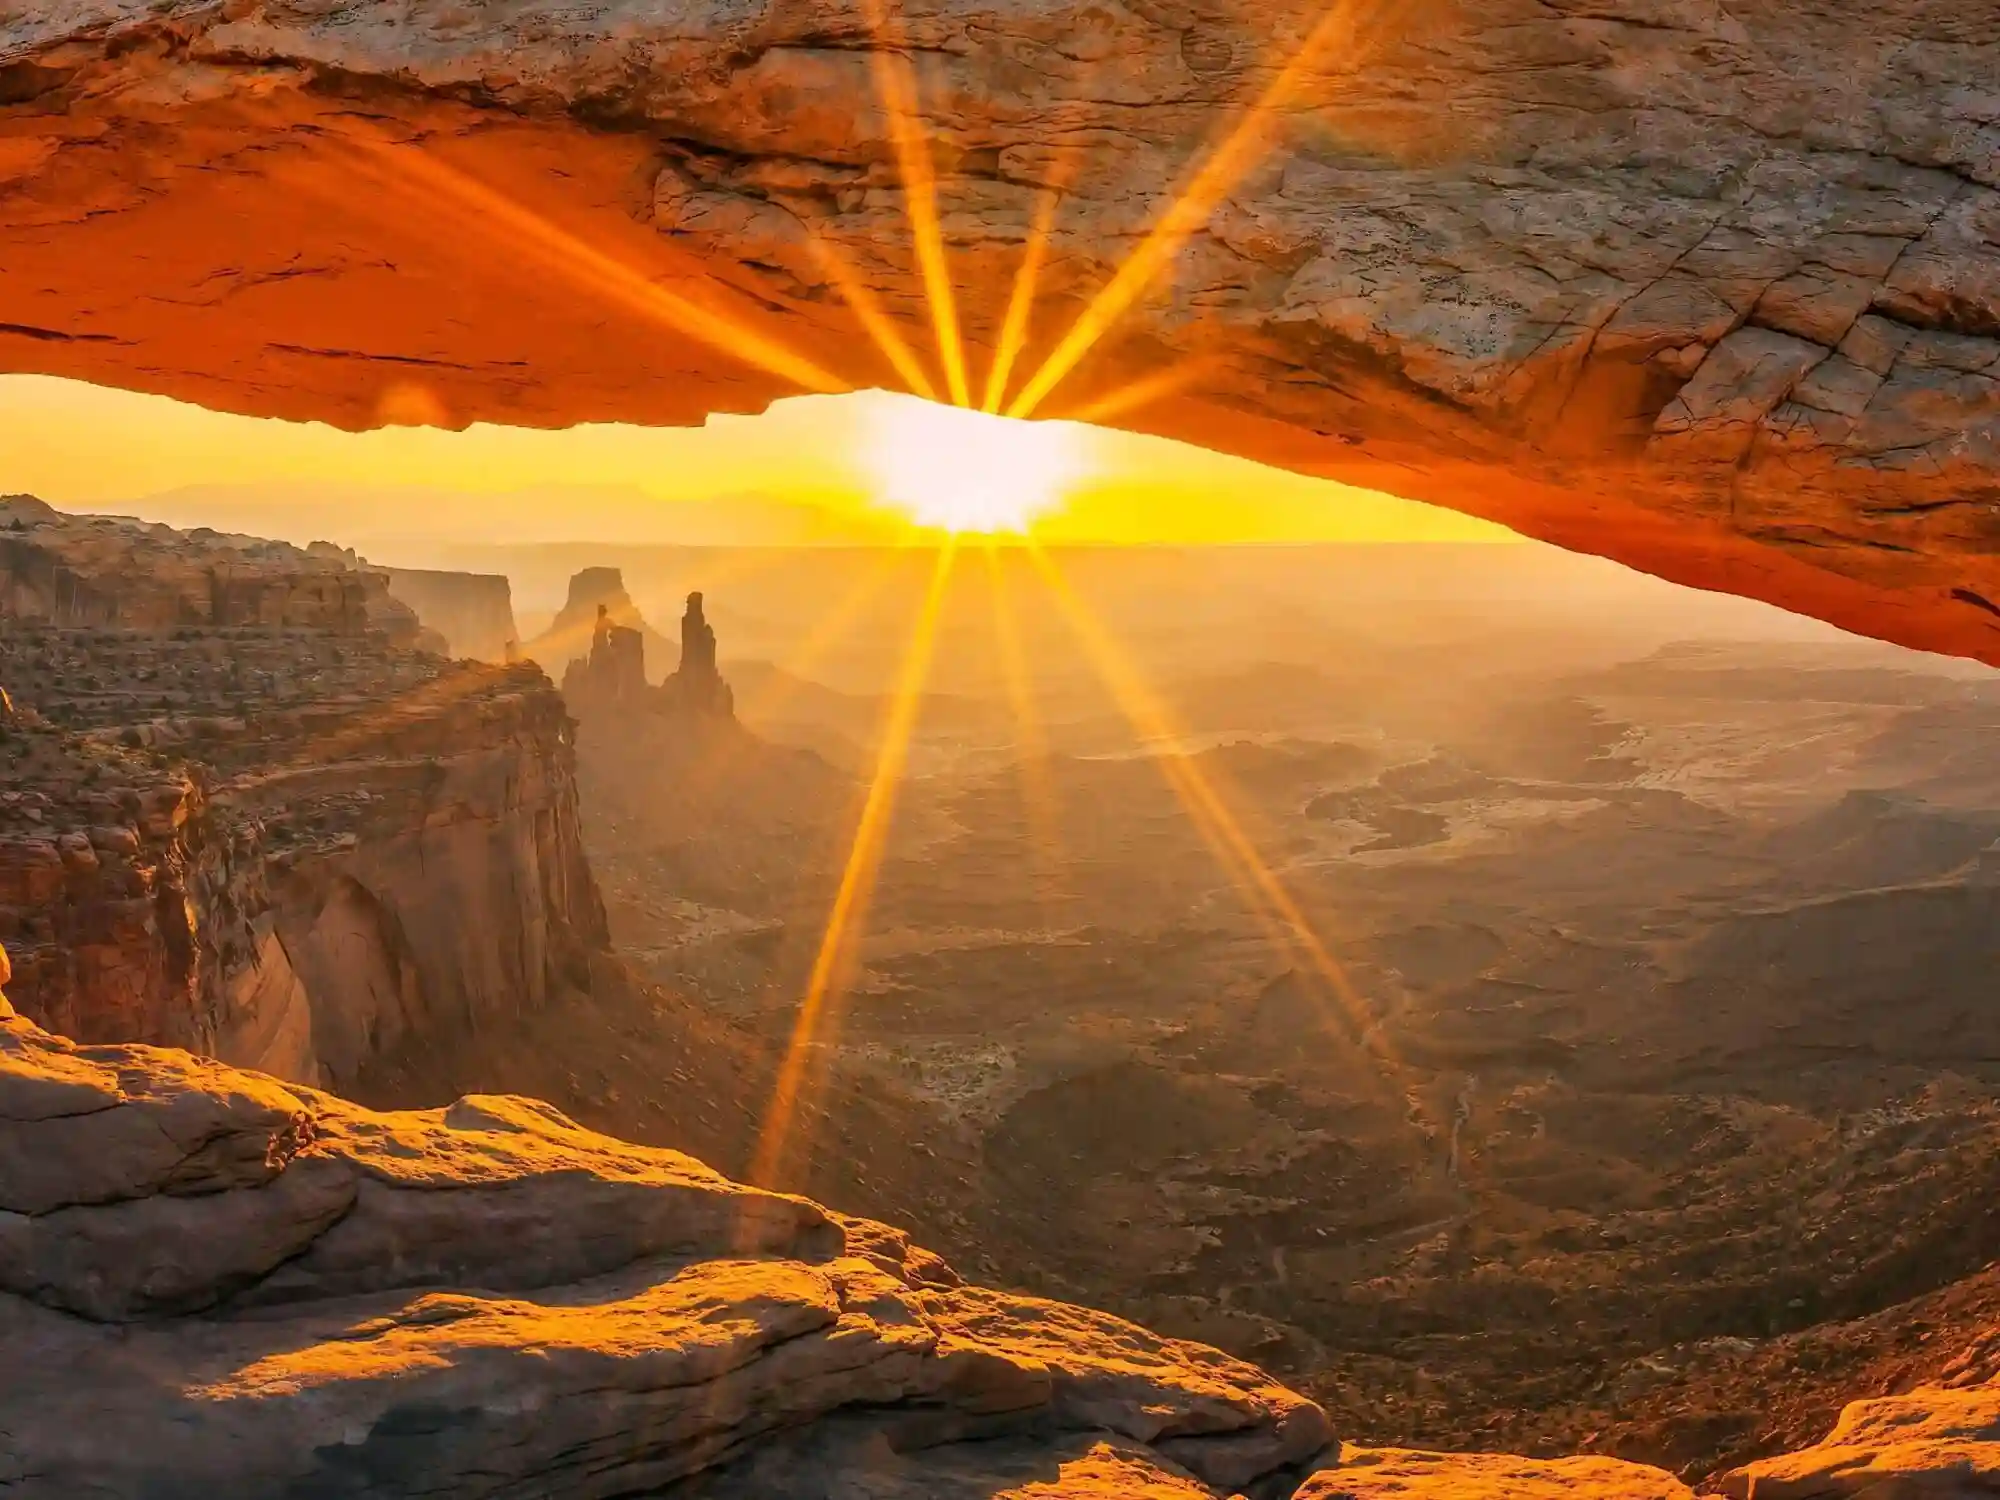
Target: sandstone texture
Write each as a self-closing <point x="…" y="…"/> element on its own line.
<point x="108" y="572"/>
<point x="1401" y="1474"/>
<point x="1934" y="1442"/>
<point x="284" y="845"/>
<point x="231" y="1286"/>
<point x="1713" y="290"/>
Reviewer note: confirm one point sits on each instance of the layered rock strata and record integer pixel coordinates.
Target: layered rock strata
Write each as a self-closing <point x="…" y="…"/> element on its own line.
<point x="285" y="847"/>
<point x="106" y="572"/>
<point x="1712" y="290"/>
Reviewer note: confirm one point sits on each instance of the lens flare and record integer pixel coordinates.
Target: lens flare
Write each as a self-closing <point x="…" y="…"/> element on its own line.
<point x="960" y="470"/>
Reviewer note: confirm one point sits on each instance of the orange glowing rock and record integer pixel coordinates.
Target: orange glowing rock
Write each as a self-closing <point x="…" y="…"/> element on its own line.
<point x="1719" y="299"/>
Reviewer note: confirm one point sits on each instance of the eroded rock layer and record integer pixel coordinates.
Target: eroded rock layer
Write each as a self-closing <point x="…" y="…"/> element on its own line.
<point x="284" y="846"/>
<point x="109" y="573"/>
<point x="1712" y="290"/>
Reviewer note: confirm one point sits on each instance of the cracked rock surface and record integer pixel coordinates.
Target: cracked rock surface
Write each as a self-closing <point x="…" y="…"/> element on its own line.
<point x="1711" y="289"/>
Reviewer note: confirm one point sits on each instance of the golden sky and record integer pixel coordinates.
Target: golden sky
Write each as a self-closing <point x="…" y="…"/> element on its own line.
<point x="85" y="447"/>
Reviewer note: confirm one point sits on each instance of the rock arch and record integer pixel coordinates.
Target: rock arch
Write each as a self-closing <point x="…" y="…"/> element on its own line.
<point x="1713" y="290"/>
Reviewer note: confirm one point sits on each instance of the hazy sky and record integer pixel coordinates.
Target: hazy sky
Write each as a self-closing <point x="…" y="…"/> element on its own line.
<point x="83" y="447"/>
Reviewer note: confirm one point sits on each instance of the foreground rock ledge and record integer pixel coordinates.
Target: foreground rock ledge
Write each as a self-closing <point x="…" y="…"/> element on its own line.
<point x="1714" y="290"/>
<point x="212" y="1283"/>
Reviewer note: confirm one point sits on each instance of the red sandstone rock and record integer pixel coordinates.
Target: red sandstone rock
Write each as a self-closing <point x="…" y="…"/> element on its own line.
<point x="1711" y="290"/>
<point x="289" y="846"/>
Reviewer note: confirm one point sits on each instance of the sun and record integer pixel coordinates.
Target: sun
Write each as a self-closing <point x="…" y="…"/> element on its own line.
<point x="961" y="470"/>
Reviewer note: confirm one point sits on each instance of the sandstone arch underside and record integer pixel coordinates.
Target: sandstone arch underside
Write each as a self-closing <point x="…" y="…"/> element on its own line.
<point x="1712" y="288"/>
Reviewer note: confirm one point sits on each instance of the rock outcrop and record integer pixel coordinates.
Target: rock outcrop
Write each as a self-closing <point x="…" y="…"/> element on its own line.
<point x="608" y="686"/>
<point x="1936" y="1441"/>
<point x="597" y="599"/>
<point x="1403" y="1474"/>
<point x="612" y="676"/>
<point x="1711" y="290"/>
<point x="231" y="1286"/>
<point x="696" y="687"/>
<point x="474" y="612"/>
<point x="107" y="572"/>
<point x="286" y="847"/>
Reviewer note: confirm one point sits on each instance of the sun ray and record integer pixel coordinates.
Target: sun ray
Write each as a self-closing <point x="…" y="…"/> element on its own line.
<point x="1021" y="301"/>
<point x="1142" y="392"/>
<point x="1038" y="795"/>
<point x="1212" y="816"/>
<point x="896" y="87"/>
<point x="874" y="321"/>
<point x="830" y="631"/>
<point x="857" y="879"/>
<point x="429" y="185"/>
<point x="1236" y="153"/>
<point x="351" y="735"/>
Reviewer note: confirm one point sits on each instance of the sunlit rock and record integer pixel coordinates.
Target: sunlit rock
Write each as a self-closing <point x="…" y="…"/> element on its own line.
<point x="1714" y="291"/>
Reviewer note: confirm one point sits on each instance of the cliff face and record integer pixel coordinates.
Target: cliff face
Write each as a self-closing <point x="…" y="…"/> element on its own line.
<point x="444" y="882"/>
<point x="98" y="571"/>
<point x="474" y="612"/>
<point x="1713" y="290"/>
<point x="289" y="849"/>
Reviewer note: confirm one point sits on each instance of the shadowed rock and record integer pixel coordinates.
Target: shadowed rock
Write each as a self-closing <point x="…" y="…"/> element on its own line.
<point x="269" y="833"/>
<point x="474" y="612"/>
<point x="597" y="599"/>
<point x="697" y="688"/>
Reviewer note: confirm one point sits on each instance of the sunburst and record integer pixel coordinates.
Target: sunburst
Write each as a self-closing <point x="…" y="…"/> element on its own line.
<point x="950" y="463"/>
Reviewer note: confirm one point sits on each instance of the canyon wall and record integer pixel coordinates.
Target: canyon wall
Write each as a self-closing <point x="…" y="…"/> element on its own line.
<point x="474" y="612"/>
<point x="291" y="848"/>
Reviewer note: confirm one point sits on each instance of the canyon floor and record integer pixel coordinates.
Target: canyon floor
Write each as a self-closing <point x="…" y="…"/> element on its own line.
<point x="1648" y="1053"/>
